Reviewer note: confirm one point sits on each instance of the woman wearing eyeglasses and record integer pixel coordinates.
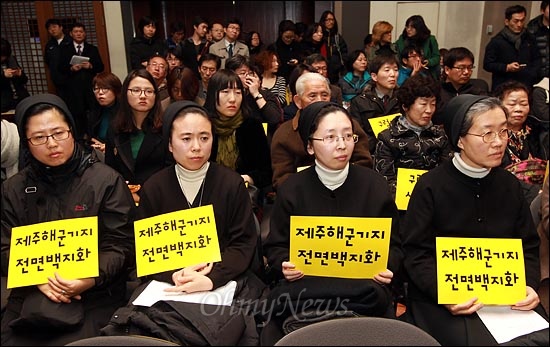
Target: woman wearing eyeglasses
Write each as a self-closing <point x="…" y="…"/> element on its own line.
<point x="63" y="180"/>
<point x="107" y="88"/>
<point x="330" y="187"/>
<point x="468" y="196"/>
<point x="134" y="145"/>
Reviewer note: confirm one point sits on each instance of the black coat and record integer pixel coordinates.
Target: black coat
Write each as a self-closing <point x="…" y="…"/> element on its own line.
<point x="152" y="156"/>
<point x="447" y="203"/>
<point x="254" y="157"/>
<point x="103" y="193"/>
<point x="141" y="49"/>
<point x="500" y="52"/>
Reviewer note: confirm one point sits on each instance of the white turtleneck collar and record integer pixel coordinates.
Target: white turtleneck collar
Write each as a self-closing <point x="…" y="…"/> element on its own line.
<point x="190" y="181"/>
<point x="332" y="179"/>
<point x="467" y="169"/>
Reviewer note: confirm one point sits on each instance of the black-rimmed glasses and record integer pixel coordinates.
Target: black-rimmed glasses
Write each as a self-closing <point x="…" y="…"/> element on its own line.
<point x="59" y="135"/>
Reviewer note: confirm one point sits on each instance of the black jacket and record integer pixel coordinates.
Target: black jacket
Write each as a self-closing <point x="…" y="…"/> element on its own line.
<point x="500" y="52"/>
<point x="141" y="49"/>
<point x="368" y="105"/>
<point x="52" y="58"/>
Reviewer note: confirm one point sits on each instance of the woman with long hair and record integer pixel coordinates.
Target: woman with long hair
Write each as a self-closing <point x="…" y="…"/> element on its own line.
<point x="135" y="146"/>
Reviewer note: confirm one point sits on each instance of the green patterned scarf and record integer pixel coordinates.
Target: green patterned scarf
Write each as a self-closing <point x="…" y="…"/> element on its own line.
<point x="228" y="152"/>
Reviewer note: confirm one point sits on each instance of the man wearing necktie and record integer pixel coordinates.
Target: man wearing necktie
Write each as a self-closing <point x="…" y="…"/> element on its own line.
<point x="229" y="46"/>
<point x="79" y="95"/>
<point x="230" y="50"/>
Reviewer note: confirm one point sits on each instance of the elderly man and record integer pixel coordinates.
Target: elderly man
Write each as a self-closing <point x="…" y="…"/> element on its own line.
<point x="287" y="149"/>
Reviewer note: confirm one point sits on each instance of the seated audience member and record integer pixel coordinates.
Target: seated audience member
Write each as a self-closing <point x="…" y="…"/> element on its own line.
<point x="319" y="62"/>
<point x="412" y="141"/>
<point x="468" y="196"/>
<point x="417" y="33"/>
<point x="158" y="68"/>
<point x="356" y="77"/>
<point x="330" y="187"/>
<point x="69" y="181"/>
<point x="240" y="142"/>
<point x="458" y="66"/>
<point x="107" y="89"/>
<point x="208" y="65"/>
<point x="182" y="84"/>
<point x="290" y="110"/>
<point x="134" y="145"/>
<point x="411" y="64"/>
<point x="191" y="182"/>
<point x="524" y="155"/>
<point x="287" y="151"/>
<point x="378" y="97"/>
<point x="268" y="63"/>
<point x="263" y="104"/>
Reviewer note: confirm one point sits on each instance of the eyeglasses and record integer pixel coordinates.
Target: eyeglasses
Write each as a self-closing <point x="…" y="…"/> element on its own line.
<point x="244" y="73"/>
<point x="39" y="140"/>
<point x="329" y="139"/>
<point x="464" y="68"/>
<point x="138" y="91"/>
<point x="103" y="90"/>
<point x="160" y="66"/>
<point x="491" y="136"/>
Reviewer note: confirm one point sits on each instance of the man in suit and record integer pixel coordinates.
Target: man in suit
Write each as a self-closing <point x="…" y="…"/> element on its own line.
<point x="229" y="46"/>
<point x="79" y="75"/>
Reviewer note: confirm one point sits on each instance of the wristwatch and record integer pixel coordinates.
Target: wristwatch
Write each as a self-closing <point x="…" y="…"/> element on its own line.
<point x="259" y="96"/>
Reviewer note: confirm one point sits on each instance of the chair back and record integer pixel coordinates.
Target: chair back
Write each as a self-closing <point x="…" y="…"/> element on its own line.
<point x="359" y="331"/>
<point x="128" y="340"/>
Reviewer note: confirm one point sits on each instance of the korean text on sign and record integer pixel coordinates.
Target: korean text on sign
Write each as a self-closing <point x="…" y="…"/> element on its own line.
<point x="177" y="239"/>
<point x="68" y="247"/>
<point x="346" y="247"/>
<point x="406" y="180"/>
<point x="490" y="269"/>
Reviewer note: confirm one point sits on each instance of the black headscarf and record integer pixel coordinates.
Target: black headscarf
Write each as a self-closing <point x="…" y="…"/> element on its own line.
<point x="454" y="114"/>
